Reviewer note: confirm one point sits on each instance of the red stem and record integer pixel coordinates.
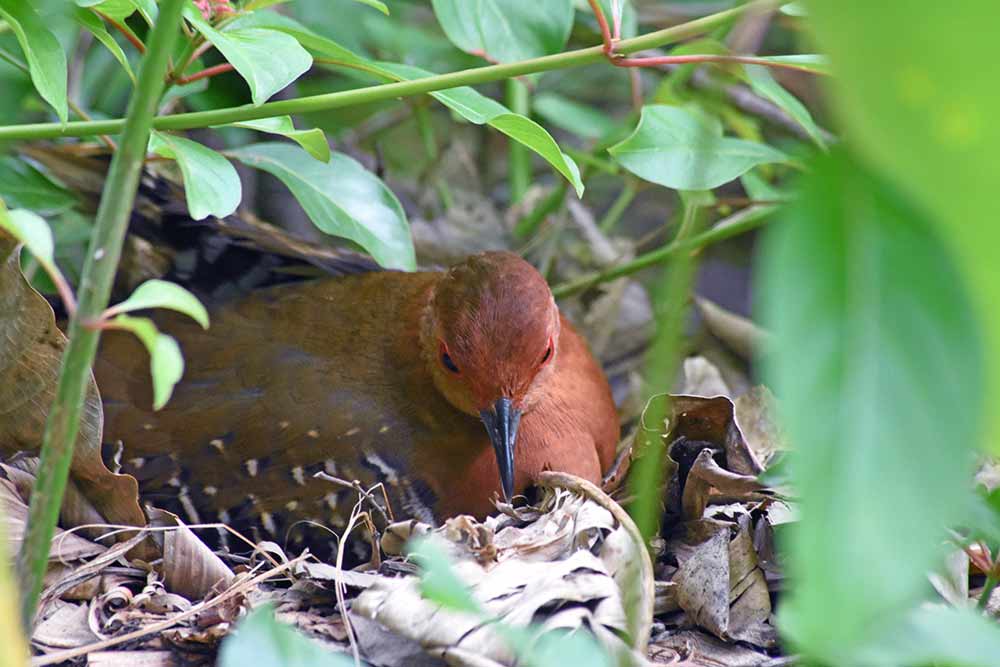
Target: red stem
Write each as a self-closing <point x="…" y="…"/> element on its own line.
<point x="609" y="46"/>
<point x="206" y="73"/>
<point x="135" y="41"/>
<point x="680" y="60"/>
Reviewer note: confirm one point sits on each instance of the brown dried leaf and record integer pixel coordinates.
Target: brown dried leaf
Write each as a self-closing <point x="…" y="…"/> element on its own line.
<point x="190" y="568"/>
<point x="31" y="348"/>
<point x="64" y="626"/>
<point x="720" y="585"/>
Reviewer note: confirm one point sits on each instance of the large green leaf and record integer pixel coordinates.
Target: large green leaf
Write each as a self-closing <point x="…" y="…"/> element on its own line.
<point x="44" y="53"/>
<point x="684" y="149"/>
<point x="263" y="641"/>
<point x="877" y="358"/>
<point x="211" y="184"/>
<point x="506" y="30"/>
<point x="342" y="198"/>
<point x="268" y="60"/>
<point x="23" y="186"/>
<point x="479" y="109"/>
<point x="917" y="93"/>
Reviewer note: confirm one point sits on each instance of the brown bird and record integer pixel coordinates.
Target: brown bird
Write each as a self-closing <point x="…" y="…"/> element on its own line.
<point x="447" y="387"/>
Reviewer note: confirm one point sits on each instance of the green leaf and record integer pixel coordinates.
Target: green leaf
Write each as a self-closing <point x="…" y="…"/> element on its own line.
<point x="506" y="30"/>
<point x="375" y="4"/>
<point x="211" y="184"/>
<point x="938" y="635"/>
<point x="563" y="647"/>
<point x="807" y="62"/>
<point x="166" y="365"/>
<point x="438" y="582"/>
<point x="44" y="53"/>
<point x="573" y="117"/>
<point x="479" y="109"/>
<point x="164" y="294"/>
<point x="765" y="85"/>
<point x="31" y="230"/>
<point x="305" y="36"/>
<point x="23" y="186"/>
<point x="341" y="198"/>
<point x="684" y="149"/>
<point x="314" y="140"/>
<point x="878" y="361"/>
<point x="263" y="641"/>
<point x="96" y="27"/>
<point x="929" y="124"/>
<point x="268" y="60"/>
<point x="120" y="10"/>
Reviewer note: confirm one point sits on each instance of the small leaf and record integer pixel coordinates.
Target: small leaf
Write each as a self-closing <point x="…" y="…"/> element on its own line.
<point x="44" y="53"/>
<point x="23" y="186"/>
<point x="166" y="365"/>
<point x="164" y="294"/>
<point x="765" y="85"/>
<point x="31" y="230"/>
<point x="211" y="184"/>
<point x="506" y="30"/>
<point x="314" y="140"/>
<point x="574" y="117"/>
<point x="807" y="62"/>
<point x="263" y="641"/>
<point x="438" y="582"/>
<point x="341" y="198"/>
<point x="563" y="647"/>
<point x="685" y="150"/>
<point x="267" y="59"/>
<point x="96" y="27"/>
<point x="479" y="109"/>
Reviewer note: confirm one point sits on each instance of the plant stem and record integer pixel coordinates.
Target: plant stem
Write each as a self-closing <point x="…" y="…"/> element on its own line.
<point x="98" y="273"/>
<point x="518" y="158"/>
<point x="206" y="73"/>
<point x="313" y="103"/>
<point x="670" y="301"/>
<point x="991" y="584"/>
<point x="743" y="221"/>
<point x="619" y="206"/>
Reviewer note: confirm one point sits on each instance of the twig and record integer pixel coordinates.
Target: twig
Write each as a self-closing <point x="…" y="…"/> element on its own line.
<point x="62" y="656"/>
<point x="206" y="73"/>
<point x="129" y="35"/>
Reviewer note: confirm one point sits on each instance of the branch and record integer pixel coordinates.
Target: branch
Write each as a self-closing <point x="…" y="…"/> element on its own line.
<point x="313" y="103"/>
<point x="206" y="73"/>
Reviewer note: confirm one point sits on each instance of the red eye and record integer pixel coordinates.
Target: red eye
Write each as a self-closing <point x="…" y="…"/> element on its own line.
<point x="548" y="354"/>
<point x="446" y="359"/>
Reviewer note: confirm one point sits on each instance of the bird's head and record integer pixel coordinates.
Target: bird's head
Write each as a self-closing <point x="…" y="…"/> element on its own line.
<point x="490" y="338"/>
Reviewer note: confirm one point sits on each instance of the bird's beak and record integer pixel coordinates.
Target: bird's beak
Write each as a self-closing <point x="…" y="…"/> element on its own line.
<point x="501" y="422"/>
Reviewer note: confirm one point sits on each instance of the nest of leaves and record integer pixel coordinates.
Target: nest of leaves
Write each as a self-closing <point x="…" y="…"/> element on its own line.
<point x="572" y="561"/>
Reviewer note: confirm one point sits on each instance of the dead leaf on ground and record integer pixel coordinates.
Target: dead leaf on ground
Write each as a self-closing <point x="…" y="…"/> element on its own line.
<point x="31" y="347"/>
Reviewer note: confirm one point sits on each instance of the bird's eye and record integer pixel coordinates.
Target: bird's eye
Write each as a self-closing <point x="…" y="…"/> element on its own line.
<point x="446" y="359"/>
<point x="548" y="354"/>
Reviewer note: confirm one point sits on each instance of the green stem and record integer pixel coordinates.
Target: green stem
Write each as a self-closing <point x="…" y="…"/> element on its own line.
<point x="527" y="225"/>
<point x="313" y="103"/>
<point x="743" y="221"/>
<point x="518" y="157"/>
<point x="95" y="288"/>
<point x="991" y="584"/>
<point x="670" y="304"/>
<point x="619" y="206"/>
<point x="425" y="125"/>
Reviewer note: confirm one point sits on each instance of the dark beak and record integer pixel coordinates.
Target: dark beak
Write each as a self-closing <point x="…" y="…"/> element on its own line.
<point x="501" y="423"/>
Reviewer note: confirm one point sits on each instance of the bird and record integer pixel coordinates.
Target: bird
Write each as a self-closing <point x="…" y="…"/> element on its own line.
<point x="451" y="389"/>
